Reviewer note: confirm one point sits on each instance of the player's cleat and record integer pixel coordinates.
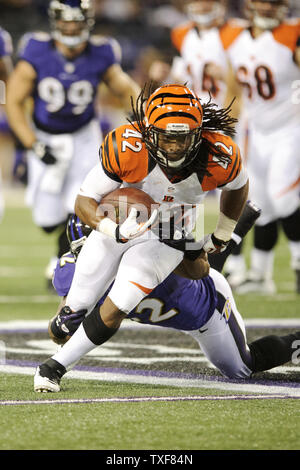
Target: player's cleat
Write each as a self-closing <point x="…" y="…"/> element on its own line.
<point x="48" y="375"/>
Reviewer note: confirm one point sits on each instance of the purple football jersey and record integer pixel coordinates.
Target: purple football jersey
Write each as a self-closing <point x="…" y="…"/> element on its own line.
<point x="63" y="274"/>
<point x="65" y="90"/>
<point x="5" y="43"/>
<point x="177" y="302"/>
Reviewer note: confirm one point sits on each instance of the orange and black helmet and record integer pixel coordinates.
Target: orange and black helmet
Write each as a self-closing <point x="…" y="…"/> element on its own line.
<point x="173" y="112"/>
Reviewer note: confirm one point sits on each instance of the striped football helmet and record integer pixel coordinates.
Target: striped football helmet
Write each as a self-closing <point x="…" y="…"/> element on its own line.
<point x="173" y="123"/>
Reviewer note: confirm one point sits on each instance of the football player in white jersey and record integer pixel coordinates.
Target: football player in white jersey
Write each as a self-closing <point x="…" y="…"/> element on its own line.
<point x="62" y="71"/>
<point x="202" y="62"/>
<point x="265" y="55"/>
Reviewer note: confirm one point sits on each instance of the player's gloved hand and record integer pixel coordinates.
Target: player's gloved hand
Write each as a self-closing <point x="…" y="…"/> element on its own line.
<point x="43" y="152"/>
<point x="213" y="245"/>
<point x="64" y="324"/>
<point x="129" y="229"/>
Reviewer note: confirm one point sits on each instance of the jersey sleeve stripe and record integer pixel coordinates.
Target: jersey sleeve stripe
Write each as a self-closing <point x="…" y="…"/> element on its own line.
<point x="108" y="170"/>
<point x="115" y="147"/>
<point x="106" y="154"/>
<point x="112" y="176"/>
<point x="237" y="159"/>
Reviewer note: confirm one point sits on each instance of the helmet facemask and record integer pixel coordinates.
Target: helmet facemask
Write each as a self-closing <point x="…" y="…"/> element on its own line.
<point x="182" y="143"/>
<point x="264" y="18"/>
<point x="64" y="12"/>
<point x="206" y="13"/>
<point x="171" y="125"/>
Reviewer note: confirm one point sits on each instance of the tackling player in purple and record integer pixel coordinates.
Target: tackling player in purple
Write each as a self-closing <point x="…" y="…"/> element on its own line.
<point x="203" y="308"/>
<point x="62" y="71"/>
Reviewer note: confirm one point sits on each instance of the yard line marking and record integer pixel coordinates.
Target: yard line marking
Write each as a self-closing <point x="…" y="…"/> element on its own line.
<point x="142" y="399"/>
<point x="35" y="299"/>
<point x="152" y="379"/>
<point x="34" y="325"/>
<point x="16" y="271"/>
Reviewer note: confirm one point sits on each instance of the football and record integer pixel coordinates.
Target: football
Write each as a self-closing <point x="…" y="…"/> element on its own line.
<point x="117" y="204"/>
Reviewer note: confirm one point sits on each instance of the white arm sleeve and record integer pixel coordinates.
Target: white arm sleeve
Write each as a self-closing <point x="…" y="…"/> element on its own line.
<point x="97" y="184"/>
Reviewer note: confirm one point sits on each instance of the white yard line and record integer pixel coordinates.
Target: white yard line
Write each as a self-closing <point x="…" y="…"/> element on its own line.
<point x="284" y="391"/>
<point x="128" y="324"/>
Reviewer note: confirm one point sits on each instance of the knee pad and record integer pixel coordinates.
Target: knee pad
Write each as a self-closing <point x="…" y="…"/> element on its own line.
<point x="291" y="226"/>
<point x="266" y="236"/>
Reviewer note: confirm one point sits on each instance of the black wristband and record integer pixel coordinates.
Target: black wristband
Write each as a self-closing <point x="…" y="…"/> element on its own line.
<point x="298" y="42"/>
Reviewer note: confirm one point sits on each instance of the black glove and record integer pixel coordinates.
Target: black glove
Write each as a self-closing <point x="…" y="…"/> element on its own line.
<point x="65" y="323"/>
<point x="43" y="152"/>
<point x="245" y="223"/>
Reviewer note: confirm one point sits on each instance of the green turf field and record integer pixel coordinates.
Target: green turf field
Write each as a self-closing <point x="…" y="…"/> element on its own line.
<point x="220" y="415"/>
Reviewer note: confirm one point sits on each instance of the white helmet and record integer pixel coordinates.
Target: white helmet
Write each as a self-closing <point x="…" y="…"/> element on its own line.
<point x="267" y="14"/>
<point x="206" y="13"/>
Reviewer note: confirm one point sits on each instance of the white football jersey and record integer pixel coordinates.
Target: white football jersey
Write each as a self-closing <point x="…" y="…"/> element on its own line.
<point x="264" y="66"/>
<point x="197" y="51"/>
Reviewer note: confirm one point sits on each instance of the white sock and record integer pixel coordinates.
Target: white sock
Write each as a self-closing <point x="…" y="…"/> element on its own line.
<point x="74" y="349"/>
<point x="262" y="263"/>
<point x="295" y="254"/>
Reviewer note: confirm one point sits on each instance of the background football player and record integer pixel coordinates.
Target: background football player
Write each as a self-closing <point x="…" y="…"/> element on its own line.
<point x="202" y="63"/>
<point x="61" y="72"/>
<point x="6" y="50"/>
<point x="266" y="60"/>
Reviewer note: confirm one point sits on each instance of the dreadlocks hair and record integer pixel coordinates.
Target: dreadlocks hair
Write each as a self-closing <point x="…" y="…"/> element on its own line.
<point x="137" y="109"/>
<point x="215" y="119"/>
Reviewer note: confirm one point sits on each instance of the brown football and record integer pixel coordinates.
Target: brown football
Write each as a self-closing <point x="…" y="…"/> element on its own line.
<point x="117" y="204"/>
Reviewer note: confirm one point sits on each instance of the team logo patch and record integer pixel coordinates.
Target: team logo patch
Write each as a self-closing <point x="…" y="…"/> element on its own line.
<point x="168" y="198"/>
<point x="226" y="310"/>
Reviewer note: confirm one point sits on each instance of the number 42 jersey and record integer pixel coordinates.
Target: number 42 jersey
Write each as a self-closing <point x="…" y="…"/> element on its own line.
<point x="65" y="90"/>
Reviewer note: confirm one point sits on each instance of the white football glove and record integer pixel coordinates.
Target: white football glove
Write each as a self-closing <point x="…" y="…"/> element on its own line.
<point x="129" y="229"/>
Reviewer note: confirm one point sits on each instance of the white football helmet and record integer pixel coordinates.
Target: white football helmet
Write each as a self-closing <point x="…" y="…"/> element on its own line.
<point x="206" y="13"/>
<point x="64" y="12"/>
<point x="266" y="14"/>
